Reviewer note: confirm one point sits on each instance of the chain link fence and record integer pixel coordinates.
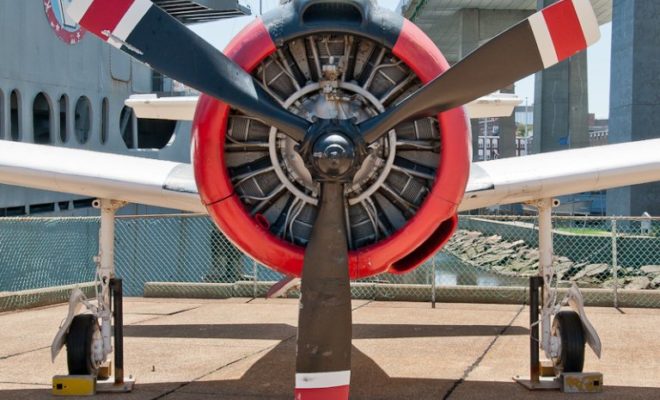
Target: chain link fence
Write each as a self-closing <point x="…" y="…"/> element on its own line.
<point x="615" y="261"/>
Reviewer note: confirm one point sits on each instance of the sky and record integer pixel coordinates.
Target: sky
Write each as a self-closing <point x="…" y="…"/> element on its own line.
<point x="598" y="66"/>
<point x="598" y="57"/>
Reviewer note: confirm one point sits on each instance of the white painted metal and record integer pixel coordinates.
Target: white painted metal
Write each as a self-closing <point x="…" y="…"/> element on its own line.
<point x="172" y="108"/>
<point x="128" y="22"/>
<point x="523" y="179"/>
<point x="315" y="380"/>
<point x="543" y="40"/>
<point x="504" y="181"/>
<point x="588" y="21"/>
<point x="493" y="105"/>
<point x="550" y="343"/>
<point x="95" y="174"/>
<point x="106" y="268"/>
<point x="76" y="302"/>
<point x="77" y="9"/>
<point x="183" y="108"/>
<point x="546" y="271"/>
<point x="575" y="300"/>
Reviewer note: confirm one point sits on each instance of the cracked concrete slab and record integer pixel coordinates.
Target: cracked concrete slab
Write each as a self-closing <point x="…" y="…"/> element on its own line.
<point x="238" y="349"/>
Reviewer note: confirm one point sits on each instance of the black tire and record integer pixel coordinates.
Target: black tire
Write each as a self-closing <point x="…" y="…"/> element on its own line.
<point x="568" y="326"/>
<point x="79" y="342"/>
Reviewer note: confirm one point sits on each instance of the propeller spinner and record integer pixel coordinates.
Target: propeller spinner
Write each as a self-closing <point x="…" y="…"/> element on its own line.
<point x="342" y="168"/>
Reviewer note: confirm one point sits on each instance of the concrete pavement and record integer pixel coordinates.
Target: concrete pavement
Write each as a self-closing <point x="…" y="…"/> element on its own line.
<point x="181" y="349"/>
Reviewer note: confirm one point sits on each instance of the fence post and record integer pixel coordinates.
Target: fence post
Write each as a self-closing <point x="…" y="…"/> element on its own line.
<point x="433" y="282"/>
<point x="254" y="279"/>
<point x="615" y="266"/>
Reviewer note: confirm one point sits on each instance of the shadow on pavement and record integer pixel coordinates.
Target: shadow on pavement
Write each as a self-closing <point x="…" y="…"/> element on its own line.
<point x="281" y="331"/>
<point x="272" y="377"/>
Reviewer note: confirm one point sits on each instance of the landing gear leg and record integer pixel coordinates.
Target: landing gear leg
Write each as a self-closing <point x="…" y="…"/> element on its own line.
<point x="563" y="333"/>
<point x="89" y="343"/>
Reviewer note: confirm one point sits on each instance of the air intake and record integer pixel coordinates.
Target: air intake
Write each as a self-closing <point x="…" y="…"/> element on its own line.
<point x="335" y="12"/>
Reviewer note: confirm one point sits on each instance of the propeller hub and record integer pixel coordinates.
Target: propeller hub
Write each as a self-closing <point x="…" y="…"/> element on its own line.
<point x="333" y="150"/>
<point x="333" y="155"/>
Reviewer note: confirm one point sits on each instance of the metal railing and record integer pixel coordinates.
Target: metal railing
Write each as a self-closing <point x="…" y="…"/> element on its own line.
<point x="615" y="261"/>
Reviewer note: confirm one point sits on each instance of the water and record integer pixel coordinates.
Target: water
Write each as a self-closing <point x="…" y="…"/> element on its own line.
<point x="451" y="271"/>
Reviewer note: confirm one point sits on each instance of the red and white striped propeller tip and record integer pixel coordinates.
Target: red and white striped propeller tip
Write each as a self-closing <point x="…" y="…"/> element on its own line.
<point x="112" y="21"/>
<point x="564" y="29"/>
<point x="323" y="385"/>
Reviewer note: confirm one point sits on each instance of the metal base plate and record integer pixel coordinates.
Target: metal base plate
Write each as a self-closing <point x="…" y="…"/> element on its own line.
<point x="74" y="385"/>
<point x="542" y="384"/>
<point x="109" y="386"/>
<point x="583" y="382"/>
<point x="577" y="382"/>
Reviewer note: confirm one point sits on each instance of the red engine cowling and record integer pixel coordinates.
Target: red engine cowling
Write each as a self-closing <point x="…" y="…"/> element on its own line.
<point x="350" y="60"/>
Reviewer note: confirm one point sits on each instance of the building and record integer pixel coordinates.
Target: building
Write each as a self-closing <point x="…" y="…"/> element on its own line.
<point x="62" y="87"/>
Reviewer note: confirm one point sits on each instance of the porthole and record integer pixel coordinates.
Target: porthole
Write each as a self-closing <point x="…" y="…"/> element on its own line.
<point x="41" y="119"/>
<point x="145" y="133"/>
<point x="83" y="119"/>
<point x="127" y="127"/>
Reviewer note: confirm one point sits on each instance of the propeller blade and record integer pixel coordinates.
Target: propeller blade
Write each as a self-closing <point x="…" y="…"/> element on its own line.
<point x="323" y="361"/>
<point x="154" y="37"/>
<point x="541" y="41"/>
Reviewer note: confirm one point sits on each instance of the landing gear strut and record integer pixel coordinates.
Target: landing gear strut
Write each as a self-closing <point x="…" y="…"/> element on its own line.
<point x="88" y="342"/>
<point x="563" y="333"/>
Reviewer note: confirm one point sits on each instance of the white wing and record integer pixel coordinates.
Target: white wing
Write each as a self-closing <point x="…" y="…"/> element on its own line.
<point x="539" y="176"/>
<point x="103" y="175"/>
<point x="172" y="185"/>
<point x="183" y="108"/>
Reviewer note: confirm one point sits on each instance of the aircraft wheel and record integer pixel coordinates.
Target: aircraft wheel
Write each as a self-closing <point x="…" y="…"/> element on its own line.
<point x="568" y="327"/>
<point x="83" y="335"/>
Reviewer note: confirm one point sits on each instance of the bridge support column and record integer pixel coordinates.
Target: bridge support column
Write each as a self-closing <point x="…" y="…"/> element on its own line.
<point x="634" y="99"/>
<point x="561" y="106"/>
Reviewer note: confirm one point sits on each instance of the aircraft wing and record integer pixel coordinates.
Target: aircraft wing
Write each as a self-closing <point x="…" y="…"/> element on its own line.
<point x="539" y="176"/>
<point x="172" y="185"/>
<point x="103" y="175"/>
<point x="183" y="108"/>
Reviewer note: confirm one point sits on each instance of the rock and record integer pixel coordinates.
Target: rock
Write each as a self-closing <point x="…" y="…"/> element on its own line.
<point x="597" y="269"/>
<point x="656" y="282"/>
<point x="493" y="259"/>
<point x="576" y="268"/>
<point x="471" y="253"/>
<point x="494" y="239"/>
<point x="565" y="270"/>
<point x="519" y="264"/>
<point x="532" y="254"/>
<point x="609" y="284"/>
<point x="592" y="271"/>
<point x="640" y="283"/>
<point x="512" y="245"/>
<point x="653" y="270"/>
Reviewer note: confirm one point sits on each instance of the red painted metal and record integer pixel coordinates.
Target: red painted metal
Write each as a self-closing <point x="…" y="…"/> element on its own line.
<point x="330" y="393"/>
<point x="565" y="29"/>
<point x="105" y="15"/>
<point x="424" y="234"/>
